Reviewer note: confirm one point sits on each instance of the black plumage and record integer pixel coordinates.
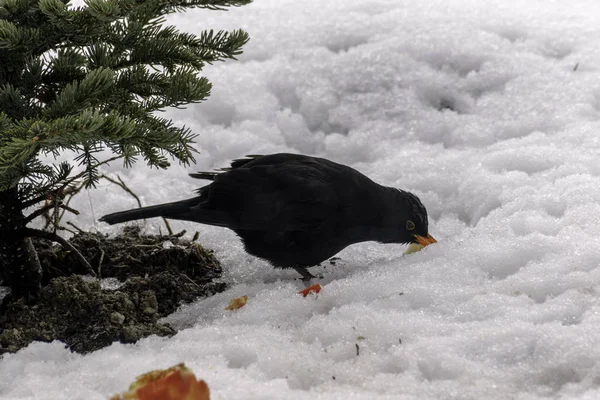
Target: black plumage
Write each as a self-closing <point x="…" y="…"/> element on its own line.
<point x="296" y="211"/>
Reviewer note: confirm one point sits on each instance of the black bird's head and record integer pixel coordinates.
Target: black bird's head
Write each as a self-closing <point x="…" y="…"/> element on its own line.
<point x="417" y="225"/>
<point x="408" y="222"/>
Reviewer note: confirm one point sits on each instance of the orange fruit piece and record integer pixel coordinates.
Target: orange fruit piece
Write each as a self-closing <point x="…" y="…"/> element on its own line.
<point x="175" y="383"/>
<point x="316" y="288"/>
<point x="236" y="303"/>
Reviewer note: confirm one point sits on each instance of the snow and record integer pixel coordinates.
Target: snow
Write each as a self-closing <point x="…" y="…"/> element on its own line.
<point x="488" y="111"/>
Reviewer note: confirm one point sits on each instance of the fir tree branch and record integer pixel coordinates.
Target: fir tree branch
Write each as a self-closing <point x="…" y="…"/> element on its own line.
<point x="86" y="79"/>
<point x="35" y="200"/>
<point x="209" y="4"/>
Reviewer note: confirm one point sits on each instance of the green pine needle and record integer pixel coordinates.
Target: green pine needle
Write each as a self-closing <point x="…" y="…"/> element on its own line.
<point x="91" y="80"/>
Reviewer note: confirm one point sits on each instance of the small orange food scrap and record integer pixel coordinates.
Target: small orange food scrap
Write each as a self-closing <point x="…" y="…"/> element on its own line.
<point x="236" y="303"/>
<point x="175" y="383"/>
<point x="316" y="288"/>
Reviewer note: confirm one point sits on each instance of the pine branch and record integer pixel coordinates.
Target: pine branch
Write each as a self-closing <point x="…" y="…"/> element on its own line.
<point x="29" y="201"/>
<point x="90" y="79"/>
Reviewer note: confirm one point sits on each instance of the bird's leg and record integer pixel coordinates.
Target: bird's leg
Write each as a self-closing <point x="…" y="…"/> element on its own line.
<point x="306" y="275"/>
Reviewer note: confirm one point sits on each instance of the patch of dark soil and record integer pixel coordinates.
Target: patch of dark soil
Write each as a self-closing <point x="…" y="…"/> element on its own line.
<point x="130" y="254"/>
<point x="158" y="273"/>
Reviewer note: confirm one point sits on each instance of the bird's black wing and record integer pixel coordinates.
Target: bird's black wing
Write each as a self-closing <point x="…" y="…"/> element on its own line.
<point x="280" y="192"/>
<point x="237" y="163"/>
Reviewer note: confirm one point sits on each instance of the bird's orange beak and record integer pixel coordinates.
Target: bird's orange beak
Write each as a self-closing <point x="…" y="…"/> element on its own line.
<point x="425" y="240"/>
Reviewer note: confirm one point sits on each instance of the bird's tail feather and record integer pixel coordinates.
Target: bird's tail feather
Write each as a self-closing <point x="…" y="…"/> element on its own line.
<point x="175" y="210"/>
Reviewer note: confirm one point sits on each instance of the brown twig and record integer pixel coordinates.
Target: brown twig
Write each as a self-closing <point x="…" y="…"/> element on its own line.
<point x="100" y="263"/>
<point x="119" y="182"/>
<point x="190" y="280"/>
<point x="71" y="231"/>
<point x="71" y="195"/>
<point x="123" y="186"/>
<point x="29" y="232"/>
<point x="173" y="235"/>
<point x="75" y="226"/>
<point x="168" y="226"/>
<point x="40" y="211"/>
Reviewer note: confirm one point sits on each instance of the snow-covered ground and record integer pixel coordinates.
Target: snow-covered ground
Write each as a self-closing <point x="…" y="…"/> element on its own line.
<point x="488" y="110"/>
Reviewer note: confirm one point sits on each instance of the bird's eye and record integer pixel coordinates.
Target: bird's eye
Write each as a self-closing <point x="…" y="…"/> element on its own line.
<point x="410" y="225"/>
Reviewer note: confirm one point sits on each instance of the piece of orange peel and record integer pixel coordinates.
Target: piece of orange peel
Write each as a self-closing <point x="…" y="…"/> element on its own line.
<point x="175" y="383"/>
<point x="316" y="288"/>
<point x="237" y="303"/>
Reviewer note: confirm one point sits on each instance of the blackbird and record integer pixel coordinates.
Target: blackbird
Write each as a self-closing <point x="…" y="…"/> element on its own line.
<point x="296" y="211"/>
